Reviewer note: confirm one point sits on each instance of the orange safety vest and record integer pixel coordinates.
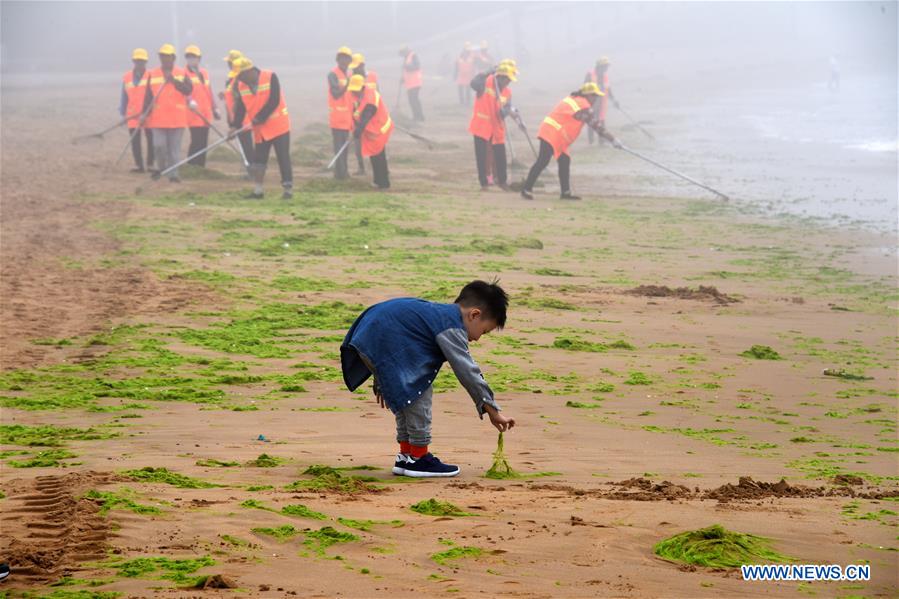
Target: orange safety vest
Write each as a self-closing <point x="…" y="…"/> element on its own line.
<point x="202" y="95"/>
<point x="379" y="128"/>
<point x="170" y="109"/>
<point x="135" y="93"/>
<point x="560" y="128"/>
<point x="411" y="79"/>
<point x="464" y="70"/>
<point x="485" y="122"/>
<point x="229" y="101"/>
<point x="340" y="109"/>
<point x="603" y="87"/>
<point x="278" y="122"/>
<point x="371" y="80"/>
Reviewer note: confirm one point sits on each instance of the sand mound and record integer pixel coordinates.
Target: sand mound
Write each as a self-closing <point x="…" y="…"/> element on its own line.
<point x="702" y="293"/>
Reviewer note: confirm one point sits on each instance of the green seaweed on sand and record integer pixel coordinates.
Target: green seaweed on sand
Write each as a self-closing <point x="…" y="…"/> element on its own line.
<point x="47" y="436"/>
<point x="319" y="540"/>
<point x="435" y="507"/>
<point x="501" y="470"/>
<point x="150" y="474"/>
<point x="177" y="570"/>
<point x="366" y="525"/>
<point x="328" y="480"/>
<point x="456" y="553"/>
<point x="266" y="461"/>
<point x="280" y="533"/>
<point x="213" y="463"/>
<point x="578" y="344"/>
<point x="716" y="547"/>
<point x="761" y="352"/>
<point x="119" y="501"/>
<point x="44" y="459"/>
<point x="301" y="511"/>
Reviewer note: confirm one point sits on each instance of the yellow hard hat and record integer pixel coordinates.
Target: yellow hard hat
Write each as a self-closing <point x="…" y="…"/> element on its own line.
<point x="591" y="88"/>
<point x="508" y="62"/>
<point x="140" y="54"/>
<point x="357" y="82"/>
<point x="604" y="60"/>
<point x="167" y="49"/>
<point x="505" y="70"/>
<point x="233" y="55"/>
<point x="357" y="60"/>
<point x="241" y="64"/>
<point x="193" y="49"/>
<point x="344" y="50"/>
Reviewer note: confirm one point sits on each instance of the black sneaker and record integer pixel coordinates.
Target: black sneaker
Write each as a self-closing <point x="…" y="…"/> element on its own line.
<point x="138" y="169"/>
<point x="4" y="571"/>
<point x="527" y="195"/>
<point x="567" y="195"/>
<point x="504" y="187"/>
<point x="287" y="195"/>
<point x="427" y="466"/>
<point x="252" y="195"/>
<point x="399" y="467"/>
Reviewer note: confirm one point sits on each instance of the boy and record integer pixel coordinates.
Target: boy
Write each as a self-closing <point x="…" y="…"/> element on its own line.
<point x="403" y="343"/>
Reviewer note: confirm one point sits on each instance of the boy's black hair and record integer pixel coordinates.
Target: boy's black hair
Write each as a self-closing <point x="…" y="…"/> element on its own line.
<point x="489" y="297"/>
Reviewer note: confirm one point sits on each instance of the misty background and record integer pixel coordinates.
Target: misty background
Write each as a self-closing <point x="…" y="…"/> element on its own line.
<point x="736" y="91"/>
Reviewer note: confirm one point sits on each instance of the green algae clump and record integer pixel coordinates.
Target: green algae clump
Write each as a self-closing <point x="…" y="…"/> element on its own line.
<point x="435" y="507"/>
<point x="716" y="547"/>
<point x="761" y="352"/>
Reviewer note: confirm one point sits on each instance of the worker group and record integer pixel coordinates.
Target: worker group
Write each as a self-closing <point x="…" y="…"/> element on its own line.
<point x="164" y="101"/>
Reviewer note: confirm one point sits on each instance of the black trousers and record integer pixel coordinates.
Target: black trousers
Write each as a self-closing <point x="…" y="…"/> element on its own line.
<point x="415" y="103"/>
<point x="481" y="147"/>
<point x="464" y="94"/>
<point x="339" y="137"/>
<point x="199" y="139"/>
<point x="357" y="146"/>
<point x="246" y="144"/>
<point x="282" y="152"/>
<point x="379" y="170"/>
<point x="546" y="154"/>
<point x="136" y="150"/>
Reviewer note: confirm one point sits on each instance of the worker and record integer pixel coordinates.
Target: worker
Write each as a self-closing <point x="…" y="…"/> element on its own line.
<point x="258" y="97"/>
<point x="245" y="138"/>
<point x="134" y="83"/>
<point x="357" y="67"/>
<point x="165" y="107"/>
<point x="559" y="130"/>
<point x="340" y="109"/>
<point x="372" y="127"/>
<point x="487" y="124"/>
<point x="412" y="80"/>
<point x="482" y="58"/>
<point x="201" y="107"/>
<point x="464" y="73"/>
<point x="599" y="75"/>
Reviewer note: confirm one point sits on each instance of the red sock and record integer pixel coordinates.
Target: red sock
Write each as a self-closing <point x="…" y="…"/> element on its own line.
<point x="405" y="447"/>
<point x="418" y="450"/>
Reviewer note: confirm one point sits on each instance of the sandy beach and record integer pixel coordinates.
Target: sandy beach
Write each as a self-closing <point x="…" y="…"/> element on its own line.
<point x="664" y="359"/>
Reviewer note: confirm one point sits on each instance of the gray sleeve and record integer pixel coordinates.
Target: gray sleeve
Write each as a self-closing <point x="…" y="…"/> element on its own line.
<point x="454" y="345"/>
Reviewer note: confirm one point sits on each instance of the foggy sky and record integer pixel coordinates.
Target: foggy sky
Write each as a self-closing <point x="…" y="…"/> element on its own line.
<point x="99" y="36"/>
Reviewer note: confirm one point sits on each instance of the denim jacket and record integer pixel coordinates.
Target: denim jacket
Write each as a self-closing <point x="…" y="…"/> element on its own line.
<point x="404" y="342"/>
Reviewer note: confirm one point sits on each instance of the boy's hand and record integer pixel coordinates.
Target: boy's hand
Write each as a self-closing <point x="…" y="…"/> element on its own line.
<point x="501" y="423"/>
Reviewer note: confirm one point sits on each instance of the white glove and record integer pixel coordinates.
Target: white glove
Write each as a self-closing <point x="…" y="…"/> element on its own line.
<point x="193" y="104"/>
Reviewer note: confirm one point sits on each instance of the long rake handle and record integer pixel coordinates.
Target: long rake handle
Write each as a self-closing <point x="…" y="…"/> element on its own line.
<point x="674" y="172"/>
